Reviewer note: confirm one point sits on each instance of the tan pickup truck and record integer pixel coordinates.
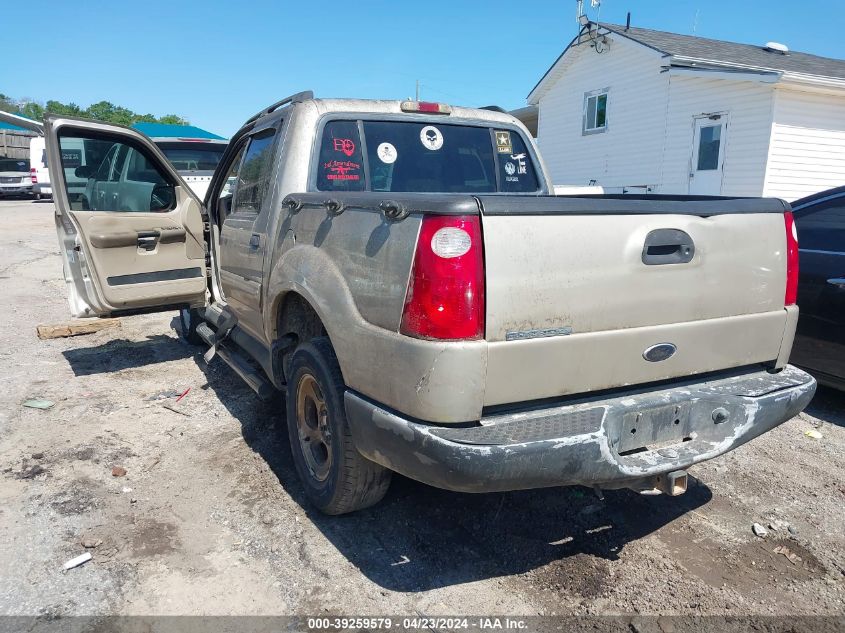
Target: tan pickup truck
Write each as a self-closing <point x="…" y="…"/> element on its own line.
<point x="401" y="271"/>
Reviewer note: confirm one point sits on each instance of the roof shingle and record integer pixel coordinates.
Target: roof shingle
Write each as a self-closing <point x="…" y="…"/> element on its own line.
<point x="732" y="53"/>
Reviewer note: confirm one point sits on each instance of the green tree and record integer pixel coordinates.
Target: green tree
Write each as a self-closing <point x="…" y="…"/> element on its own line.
<point x="57" y="107"/>
<point x="100" y="111"/>
<point x="172" y="119"/>
<point x="104" y="111"/>
<point x="31" y="110"/>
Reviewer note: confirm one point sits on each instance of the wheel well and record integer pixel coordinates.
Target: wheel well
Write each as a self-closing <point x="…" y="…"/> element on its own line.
<point x="298" y="321"/>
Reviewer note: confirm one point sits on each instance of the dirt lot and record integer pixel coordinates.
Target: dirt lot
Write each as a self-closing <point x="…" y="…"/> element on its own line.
<point x="210" y="519"/>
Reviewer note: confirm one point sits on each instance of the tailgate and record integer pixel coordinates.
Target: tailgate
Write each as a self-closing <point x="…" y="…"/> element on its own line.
<point x="579" y="288"/>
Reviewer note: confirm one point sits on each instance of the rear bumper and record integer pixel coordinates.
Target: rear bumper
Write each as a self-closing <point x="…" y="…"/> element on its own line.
<point x="44" y="188"/>
<point x="15" y="190"/>
<point x="627" y="440"/>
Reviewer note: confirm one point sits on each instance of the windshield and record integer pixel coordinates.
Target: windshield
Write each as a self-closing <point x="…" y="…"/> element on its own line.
<point x="423" y="156"/>
<point x="13" y="164"/>
<point x="193" y="156"/>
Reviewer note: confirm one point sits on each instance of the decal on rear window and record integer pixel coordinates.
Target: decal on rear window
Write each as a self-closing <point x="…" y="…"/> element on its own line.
<point x="503" y="142"/>
<point x="431" y="137"/>
<point x="345" y="145"/>
<point x="342" y="170"/>
<point x="387" y="153"/>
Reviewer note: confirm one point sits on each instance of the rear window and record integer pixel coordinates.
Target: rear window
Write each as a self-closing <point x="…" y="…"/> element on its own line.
<point x="340" y="166"/>
<point x="423" y="156"/>
<point x="14" y="164"/>
<point x="193" y="156"/>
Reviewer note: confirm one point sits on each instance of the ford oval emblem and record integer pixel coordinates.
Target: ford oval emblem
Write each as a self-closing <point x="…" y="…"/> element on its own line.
<point x="661" y="351"/>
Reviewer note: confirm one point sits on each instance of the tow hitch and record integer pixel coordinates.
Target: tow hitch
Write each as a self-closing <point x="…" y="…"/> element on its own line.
<point x="673" y="484"/>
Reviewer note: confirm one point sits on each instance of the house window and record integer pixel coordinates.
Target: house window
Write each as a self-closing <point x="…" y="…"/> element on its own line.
<point x="595" y="111"/>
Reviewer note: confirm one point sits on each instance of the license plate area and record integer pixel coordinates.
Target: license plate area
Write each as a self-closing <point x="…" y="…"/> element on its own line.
<point x="654" y="428"/>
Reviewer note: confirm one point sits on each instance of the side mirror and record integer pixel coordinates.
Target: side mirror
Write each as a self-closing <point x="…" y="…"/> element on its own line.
<point x="163" y="197"/>
<point x="84" y="171"/>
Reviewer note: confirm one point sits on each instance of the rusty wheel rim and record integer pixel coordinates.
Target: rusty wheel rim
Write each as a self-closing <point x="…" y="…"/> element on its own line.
<point x="312" y="423"/>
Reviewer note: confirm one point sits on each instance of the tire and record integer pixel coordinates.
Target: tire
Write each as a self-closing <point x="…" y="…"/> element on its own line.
<point x="336" y="477"/>
<point x="189" y="319"/>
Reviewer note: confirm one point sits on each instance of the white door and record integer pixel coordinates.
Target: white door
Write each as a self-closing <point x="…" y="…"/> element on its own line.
<point x="708" y="155"/>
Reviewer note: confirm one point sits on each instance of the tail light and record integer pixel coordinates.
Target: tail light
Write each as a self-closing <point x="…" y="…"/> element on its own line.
<point x="445" y="298"/>
<point x="33" y="176"/>
<point x="791" y="260"/>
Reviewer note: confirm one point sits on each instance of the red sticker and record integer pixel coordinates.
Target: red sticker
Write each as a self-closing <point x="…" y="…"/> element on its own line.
<point x="345" y="145"/>
<point x="340" y="170"/>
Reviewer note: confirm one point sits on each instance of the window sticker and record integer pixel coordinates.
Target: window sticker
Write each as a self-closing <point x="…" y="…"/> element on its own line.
<point x="503" y="142"/>
<point x="342" y="170"/>
<point x="431" y="138"/>
<point x="521" y="167"/>
<point x="386" y="153"/>
<point x="510" y="169"/>
<point x="345" y="145"/>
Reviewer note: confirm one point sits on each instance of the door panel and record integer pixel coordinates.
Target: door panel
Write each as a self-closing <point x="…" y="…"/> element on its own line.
<point x="708" y="153"/>
<point x="820" y="339"/>
<point x="132" y="237"/>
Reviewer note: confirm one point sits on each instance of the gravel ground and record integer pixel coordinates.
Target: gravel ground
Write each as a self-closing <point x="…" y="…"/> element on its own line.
<point x="210" y="519"/>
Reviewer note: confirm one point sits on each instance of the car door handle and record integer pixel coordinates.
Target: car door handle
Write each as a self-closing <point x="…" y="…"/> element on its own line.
<point x="255" y="241"/>
<point x="839" y="282"/>
<point x="147" y="240"/>
<point x="667" y="246"/>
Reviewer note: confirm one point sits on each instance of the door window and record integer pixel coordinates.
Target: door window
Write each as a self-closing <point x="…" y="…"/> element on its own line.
<point x="227" y="192"/>
<point x="104" y="170"/>
<point x="126" y="178"/>
<point x="822" y="227"/>
<point x="709" y="142"/>
<point x="254" y="174"/>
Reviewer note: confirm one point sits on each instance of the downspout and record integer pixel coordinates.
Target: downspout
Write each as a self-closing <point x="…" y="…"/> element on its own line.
<point x="774" y="96"/>
<point x="661" y="183"/>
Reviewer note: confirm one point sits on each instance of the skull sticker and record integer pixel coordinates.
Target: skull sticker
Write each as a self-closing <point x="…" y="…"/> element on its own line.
<point x="431" y="137"/>
<point x="387" y="153"/>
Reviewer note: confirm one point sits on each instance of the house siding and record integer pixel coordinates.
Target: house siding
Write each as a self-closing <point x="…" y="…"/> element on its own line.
<point x="628" y="153"/>
<point x="807" y="152"/>
<point x="748" y="105"/>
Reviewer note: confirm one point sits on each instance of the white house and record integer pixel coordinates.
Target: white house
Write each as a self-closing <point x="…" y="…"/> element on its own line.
<point x="637" y="110"/>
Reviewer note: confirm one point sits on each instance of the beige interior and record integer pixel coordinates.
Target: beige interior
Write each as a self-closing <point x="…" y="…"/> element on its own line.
<point x="126" y="275"/>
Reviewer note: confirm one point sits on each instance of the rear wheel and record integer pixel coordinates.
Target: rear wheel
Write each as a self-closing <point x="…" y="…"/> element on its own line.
<point x="336" y="477"/>
<point x="189" y="319"/>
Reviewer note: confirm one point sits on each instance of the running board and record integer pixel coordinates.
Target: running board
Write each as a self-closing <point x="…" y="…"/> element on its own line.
<point x="224" y="321"/>
<point x="250" y="375"/>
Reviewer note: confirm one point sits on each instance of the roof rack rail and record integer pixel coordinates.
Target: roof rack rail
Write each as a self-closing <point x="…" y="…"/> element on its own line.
<point x="294" y="98"/>
<point x="494" y="108"/>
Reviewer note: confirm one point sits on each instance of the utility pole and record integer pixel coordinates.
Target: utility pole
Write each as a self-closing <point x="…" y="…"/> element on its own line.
<point x="417" y="97"/>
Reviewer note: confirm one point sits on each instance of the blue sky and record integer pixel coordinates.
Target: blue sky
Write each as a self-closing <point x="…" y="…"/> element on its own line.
<point x="217" y="63"/>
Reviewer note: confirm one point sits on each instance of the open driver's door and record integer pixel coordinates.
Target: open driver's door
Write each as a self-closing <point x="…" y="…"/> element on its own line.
<point x="130" y="230"/>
